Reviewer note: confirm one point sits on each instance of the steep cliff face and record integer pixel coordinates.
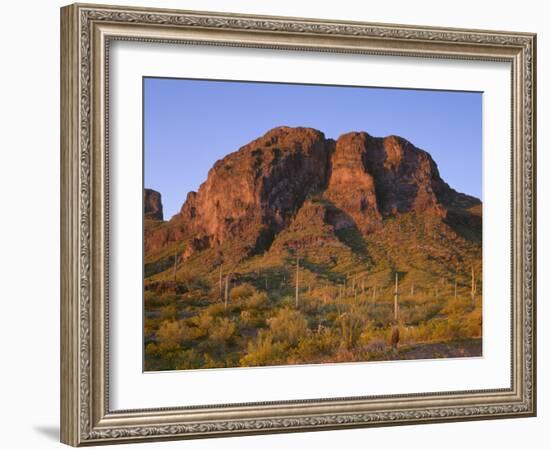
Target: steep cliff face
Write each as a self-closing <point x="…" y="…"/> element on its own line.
<point x="253" y="194"/>
<point x="266" y="187"/>
<point x="407" y="178"/>
<point x="351" y="188"/>
<point x="152" y="204"/>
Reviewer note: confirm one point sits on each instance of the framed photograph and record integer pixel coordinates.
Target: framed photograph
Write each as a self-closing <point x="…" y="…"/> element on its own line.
<point x="276" y="224"/>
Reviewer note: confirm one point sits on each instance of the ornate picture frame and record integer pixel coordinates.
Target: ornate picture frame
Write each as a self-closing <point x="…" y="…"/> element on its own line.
<point x="87" y="31"/>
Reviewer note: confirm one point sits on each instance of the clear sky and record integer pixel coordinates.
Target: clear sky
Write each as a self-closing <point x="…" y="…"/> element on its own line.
<point x="190" y="124"/>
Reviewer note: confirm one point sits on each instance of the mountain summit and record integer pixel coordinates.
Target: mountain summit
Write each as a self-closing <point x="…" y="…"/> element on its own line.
<point x="358" y="182"/>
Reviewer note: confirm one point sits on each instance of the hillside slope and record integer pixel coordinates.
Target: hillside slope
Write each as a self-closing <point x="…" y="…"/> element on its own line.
<point x="344" y="217"/>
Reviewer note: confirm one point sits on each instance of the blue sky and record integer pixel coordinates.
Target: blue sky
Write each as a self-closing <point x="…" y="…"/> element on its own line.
<point x="190" y="124"/>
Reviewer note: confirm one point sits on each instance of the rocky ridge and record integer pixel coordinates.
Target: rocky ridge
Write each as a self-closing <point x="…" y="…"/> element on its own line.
<point x="296" y="175"/>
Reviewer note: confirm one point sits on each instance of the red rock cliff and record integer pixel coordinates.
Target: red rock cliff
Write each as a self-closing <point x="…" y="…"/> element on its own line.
<point x="253" y="194"/>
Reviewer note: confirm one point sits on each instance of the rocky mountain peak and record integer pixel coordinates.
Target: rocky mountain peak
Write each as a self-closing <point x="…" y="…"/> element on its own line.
<point x="254" y="193"/>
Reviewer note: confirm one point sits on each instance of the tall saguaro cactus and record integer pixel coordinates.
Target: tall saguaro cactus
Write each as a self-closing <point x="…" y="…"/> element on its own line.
<point x="396" y="298"/>
<point x="226" y="290"/>
<point x="297" y="280"/>
<point x="474" y="287"/>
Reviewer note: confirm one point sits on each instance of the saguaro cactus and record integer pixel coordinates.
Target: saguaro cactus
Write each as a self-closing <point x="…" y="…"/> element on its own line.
<point x="396" y="298"/>
<point x="227" y="279"/>
<point x="395" y="337"/>
<point x="297" y="280"/>
<point x="474" y="287"/>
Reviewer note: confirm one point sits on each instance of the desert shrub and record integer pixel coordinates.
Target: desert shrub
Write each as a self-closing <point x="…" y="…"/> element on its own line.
<point x="252" y="318"/>
<point x="167" y="298"/>
<point x="241" y="291"/>
<point x="288" y="326"/>
<point x="152" y="349"/>
<point x="216" y="309"/>
<point x="445" y="330"/>
<point x="264" y="351"/>
<point x="169" y="312"/>
<point x="331" y="316"/>
<point x="371" y="334"/>
<point x="457" y="307"/>
<point x="252" y="310"/>
<point x="317" y="345"/>
<point x="461" y="322"/>
<point x="381" y="314"/>
<point x="420" y="333"/>
<point x="421" y="312"/>
<point x="327" y="340"/>
<point x="210" y="362"/>
<point x="150" y="326"/>
<point x="190" y="282"/>
<point x="257" y="300"/>
<point x="408" y="334"/>
<point x="246" y="318"/>
<point x="232" y="359"/>
<point x="154" y="299"/>
<point x="149" y="296"/>
<point x="343" y="355"/>
<point x="306" y="350"/>
<point x="222" y="330"/>
<point x="287" y="302"/>
<point x="311" y="304"/>
<point x="151" y="299"/>
<point x="203" y="323"/>
<point x="473" y="323"/>
<point x="170" y="335"/>
<point x="351" y="324"/>
<point x="189" y="359"/>
<point x="376" y="347"/>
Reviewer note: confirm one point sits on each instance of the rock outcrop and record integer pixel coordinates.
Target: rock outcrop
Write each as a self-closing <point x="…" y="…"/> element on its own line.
<point x="253" y="194"/>
<point x="351" y="188"/>
<point x="152" y="204"/>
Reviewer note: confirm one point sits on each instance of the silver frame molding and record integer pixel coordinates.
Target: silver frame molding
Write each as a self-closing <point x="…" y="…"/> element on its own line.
<point x="86" y="31"/>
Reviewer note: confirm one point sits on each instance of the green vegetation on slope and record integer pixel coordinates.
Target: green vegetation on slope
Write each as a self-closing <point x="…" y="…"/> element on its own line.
<point x="345" y="308"/>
